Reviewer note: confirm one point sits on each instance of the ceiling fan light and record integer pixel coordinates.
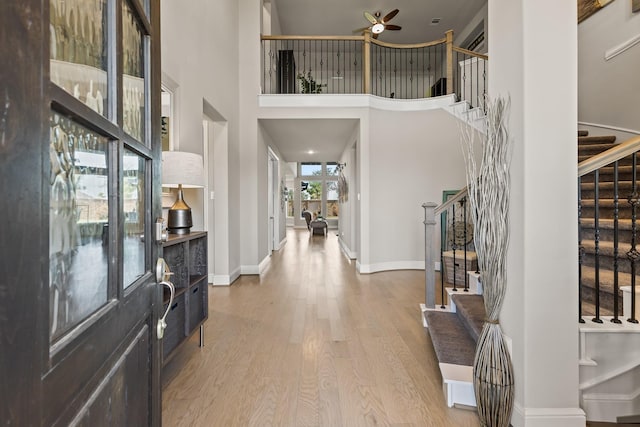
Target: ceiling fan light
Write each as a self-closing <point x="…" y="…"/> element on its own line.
<point x="377" y="28"/>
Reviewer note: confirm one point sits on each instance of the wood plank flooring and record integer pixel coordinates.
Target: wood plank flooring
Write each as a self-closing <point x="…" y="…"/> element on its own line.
<point x="311" y="343"/>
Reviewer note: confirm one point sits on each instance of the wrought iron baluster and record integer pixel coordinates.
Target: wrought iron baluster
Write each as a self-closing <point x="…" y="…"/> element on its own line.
<point x="616" y="216"/>
<point x="453" y="244"/>
<point x="596" y="218"/>
<point x="580" y="251"/>
<point x="464" y="212"/>
<point x="633" y="254"/>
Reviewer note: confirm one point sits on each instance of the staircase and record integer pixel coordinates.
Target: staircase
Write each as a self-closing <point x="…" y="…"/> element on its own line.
<point x="454" y="330"/>
<point x="589" y="146"/>
<point x="609" y="345"/>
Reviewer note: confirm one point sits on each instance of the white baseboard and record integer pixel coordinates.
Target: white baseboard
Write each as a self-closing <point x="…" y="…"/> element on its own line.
<point x="223" y="279"/>
<point x="263" y="264"/>
<point x="348" y="252"/>
<point x="281" y="244"/>
<point x="388" y="266"/>
<point x="547" y="417"/>
<point x="249" y="269"/>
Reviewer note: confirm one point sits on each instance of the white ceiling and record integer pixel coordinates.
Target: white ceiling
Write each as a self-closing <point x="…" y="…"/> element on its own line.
<point x="341" y="17"/>
<point x="326" y="137"/>
<point x="294" y="138"/>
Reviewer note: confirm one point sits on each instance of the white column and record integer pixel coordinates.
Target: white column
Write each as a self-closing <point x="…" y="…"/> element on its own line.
<point x="533" y="59"/>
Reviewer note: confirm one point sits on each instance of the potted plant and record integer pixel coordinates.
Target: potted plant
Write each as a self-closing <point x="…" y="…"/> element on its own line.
<point x="308" y="84"/>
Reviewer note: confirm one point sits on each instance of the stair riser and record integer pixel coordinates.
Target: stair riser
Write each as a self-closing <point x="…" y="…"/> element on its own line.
<point x="585" y="149"/>
<point x="606" y="212"/>
<point x="606" y="175"/>
<point x="607" y="192"/>
<point x="606" y="299"/>
<point x="606" y="234"/>
<point x="606" y="262"/>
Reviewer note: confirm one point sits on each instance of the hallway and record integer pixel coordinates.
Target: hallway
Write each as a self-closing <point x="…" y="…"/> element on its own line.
<point x="311" y="343"/>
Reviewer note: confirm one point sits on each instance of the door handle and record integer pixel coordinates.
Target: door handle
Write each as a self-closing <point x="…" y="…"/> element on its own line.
<point x="162" y="277"/>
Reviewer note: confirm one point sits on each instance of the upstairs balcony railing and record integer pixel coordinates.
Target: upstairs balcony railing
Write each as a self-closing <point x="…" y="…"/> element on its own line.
<point x="361" y="64"/>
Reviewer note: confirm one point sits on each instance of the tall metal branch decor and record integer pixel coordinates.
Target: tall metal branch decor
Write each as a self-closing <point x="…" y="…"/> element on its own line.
<point x="488" y="185"/>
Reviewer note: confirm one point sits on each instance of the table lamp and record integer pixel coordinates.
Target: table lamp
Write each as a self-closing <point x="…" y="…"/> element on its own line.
<point x="181" y="170"/>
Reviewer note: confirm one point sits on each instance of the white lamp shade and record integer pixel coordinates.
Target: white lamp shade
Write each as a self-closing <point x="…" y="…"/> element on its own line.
<point x="180" y="167"/>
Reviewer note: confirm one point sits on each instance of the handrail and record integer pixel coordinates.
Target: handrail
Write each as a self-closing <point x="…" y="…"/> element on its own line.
<point x="272" y="37"/>
<point x="605" y="158"/>
<point x="456" y="198"/>
<point x="409" y="46"/>
<point x="470" y="53"/>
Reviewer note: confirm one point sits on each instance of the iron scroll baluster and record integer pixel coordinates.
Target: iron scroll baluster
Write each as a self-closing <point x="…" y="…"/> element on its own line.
<point x="633" y="254"/>
<point x="580" y="252"/>
<point x="453" y="244"/>
<point x="464" y="212"/>
<point x="596" y="219"/>
<point x="616" y="241"/>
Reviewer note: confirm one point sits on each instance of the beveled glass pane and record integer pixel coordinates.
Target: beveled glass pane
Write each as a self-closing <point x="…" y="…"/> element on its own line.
<point x="79" y="50"/>
<point x="133" y="103"/>
<point x="134" y="208"/>
<point x="78" y="224"/>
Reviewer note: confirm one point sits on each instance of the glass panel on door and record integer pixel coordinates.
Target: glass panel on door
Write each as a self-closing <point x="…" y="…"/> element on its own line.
<point x="134" y="209"/>
<point x="133" y="90"/>
<point x="79" y="50"/>
<point x="78" y="223"/>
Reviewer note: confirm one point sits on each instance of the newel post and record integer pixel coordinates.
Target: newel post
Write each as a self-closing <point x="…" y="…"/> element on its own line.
<point x="449" y="36"/>
<point x="429" y="264"/>
<point x="366" y="62"/>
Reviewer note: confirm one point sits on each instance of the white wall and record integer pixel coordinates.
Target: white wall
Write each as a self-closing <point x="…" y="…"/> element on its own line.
<point x="537" y="66"/>
<point x="248" y="167"/>
<point x="414" y="156"/>
<point x="348" y="220"/>
<point x="481" y="16"/>
<point x="608" y="90"/>
<point x="193" y="51"/>
<point x="264" y="144"/>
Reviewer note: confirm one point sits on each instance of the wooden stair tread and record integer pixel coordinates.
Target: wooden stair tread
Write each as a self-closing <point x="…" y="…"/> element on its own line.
<point x="583" y="132"/>
<point x="606" y="139"/>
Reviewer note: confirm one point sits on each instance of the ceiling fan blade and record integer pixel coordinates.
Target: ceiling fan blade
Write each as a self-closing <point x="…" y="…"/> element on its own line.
<point x="392" y="27"/>
<point x="390" y="15"/>
<point x="370" y="18"/>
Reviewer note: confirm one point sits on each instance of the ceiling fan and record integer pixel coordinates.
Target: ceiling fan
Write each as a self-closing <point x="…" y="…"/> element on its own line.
<point x="378" y="25"/>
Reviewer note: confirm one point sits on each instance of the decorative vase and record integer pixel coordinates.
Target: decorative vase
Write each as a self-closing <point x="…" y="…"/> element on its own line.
<point x="488" y="185"/>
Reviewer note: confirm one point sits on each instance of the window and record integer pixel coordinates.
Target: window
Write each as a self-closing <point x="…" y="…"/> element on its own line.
<point x="319" y="189"/>
<point x="332" y="205"/>
<point x="311" y="169"/>
<point x="332" y="169"/>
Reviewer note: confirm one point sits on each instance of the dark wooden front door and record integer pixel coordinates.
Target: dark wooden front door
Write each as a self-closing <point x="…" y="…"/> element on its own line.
<point x="79" y="194"/>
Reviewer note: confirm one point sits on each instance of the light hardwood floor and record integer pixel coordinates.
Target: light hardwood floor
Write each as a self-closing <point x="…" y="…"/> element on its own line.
<point x="311" y="343"/>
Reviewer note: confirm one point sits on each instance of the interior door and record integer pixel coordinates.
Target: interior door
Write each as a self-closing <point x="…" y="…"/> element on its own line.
<point x="79" y="159"/>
